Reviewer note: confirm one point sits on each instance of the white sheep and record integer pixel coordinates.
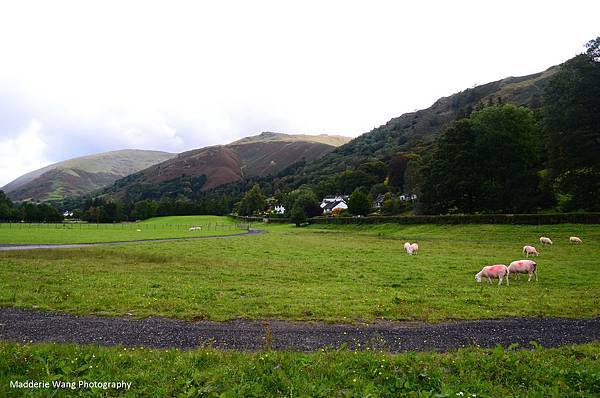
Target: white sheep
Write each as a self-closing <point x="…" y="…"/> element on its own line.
<point x="575" y="240"/>
<point x="522" y="266"/>
<point x="493" y="271"/>
<point x="195" y="229"/>
<point x="415" y="248"/>
<point x="527" y="250"/>
<point x="545" y="241"/>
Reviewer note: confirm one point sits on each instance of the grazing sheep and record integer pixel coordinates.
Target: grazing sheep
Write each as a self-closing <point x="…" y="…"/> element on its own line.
<point x="415" y="248"/>
<point x="575" y="240"/>
<point x="411" y="249"/>
<point x="195" y="229"/>
<point x="522" y="266"/>
<point x="527" y="250"/>
<point x="545" y="241"/>
<point x="139" y="230"/>
<point x="493" y="271"/>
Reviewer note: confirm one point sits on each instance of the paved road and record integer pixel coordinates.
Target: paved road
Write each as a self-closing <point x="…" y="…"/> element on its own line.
<point x="8" y="247"/>
<point x="24" y="325"/>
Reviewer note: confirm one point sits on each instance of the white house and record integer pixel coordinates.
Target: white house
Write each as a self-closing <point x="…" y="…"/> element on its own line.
<point x="279" y="209"/>
<point x="330" y="199"/>
<point x="334" y="205"/>
<point x="404" y="197"/>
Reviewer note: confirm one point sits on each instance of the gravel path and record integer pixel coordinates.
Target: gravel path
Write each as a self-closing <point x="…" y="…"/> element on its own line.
<point x="24" y="325"/>
<point x="10" y="247"/>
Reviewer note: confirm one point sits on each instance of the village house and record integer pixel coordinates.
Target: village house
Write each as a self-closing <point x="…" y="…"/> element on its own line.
<point x="279" y="209"/>
<point x="331" y="203"/>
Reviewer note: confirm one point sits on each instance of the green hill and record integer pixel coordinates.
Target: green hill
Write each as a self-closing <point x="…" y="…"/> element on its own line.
<point x="81" y="175"/>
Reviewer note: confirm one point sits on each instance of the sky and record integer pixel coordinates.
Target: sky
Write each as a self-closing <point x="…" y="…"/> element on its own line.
<point x="78" y="77"/>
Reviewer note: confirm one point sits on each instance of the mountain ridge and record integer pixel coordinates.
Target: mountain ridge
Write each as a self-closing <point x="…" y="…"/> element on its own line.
<point x="81" y="175"/>
<point x="206" y="168"/>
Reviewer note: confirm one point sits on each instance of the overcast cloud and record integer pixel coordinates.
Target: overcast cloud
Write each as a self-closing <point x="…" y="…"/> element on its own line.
<point x="81" y="77"/>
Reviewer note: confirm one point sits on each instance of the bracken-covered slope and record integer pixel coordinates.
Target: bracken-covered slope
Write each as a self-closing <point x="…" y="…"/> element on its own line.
<point x="262" y="155"/>
<point x="81" y="175"/>
<point x="414" y="129"/>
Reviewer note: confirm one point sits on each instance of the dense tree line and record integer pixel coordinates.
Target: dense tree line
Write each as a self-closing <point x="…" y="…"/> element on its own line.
<point x="27" y="211"/>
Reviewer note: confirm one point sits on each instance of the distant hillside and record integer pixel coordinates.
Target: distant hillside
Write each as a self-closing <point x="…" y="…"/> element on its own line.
<point x="412" y="130"/>
<point x="202" y="169"/>
<point x="81" y="175"/>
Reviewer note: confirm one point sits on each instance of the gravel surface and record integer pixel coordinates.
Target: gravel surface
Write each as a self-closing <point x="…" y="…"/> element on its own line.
<point x="11" y="247"/>
<point x="25" y="325"/>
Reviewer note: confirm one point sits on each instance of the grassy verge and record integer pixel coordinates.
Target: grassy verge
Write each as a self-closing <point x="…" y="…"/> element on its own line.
<point x="156" y="228"/>
<point x="571" y="371"/>
<point x="336" y="274"/>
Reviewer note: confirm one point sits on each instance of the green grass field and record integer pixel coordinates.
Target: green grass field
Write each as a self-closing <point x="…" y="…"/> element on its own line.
<point x="330" y="273"/>
<point x="155" y="228"/>
<point x="571" y="371"/>
<point x="335" y="274"/>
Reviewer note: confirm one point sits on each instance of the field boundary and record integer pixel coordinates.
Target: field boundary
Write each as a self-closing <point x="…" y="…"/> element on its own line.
<point x="16" y="246"/>
<point x="30" y="326"/>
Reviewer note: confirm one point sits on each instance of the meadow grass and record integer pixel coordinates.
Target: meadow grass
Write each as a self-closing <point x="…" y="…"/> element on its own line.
<point x="569" y="371"/>
<point x="155" y="228"/>
<point x="329" y="273"/>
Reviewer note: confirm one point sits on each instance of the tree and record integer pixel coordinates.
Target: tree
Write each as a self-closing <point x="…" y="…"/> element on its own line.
<point x="252" y="202"/>
<point x="306" y="199"/>
<point x="359" y="204"/>
<point x="396" y="169"/>
<point x="5" y="207"/>
<point x="485" y="163"/>
<point x="144" y="209"/>
<point x="298" y="215"/>
<point x="571" y="121"/>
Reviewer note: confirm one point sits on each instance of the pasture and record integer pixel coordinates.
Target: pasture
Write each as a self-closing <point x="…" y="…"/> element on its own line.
<point x="570" y="371"/>
<point x="329" y="273"/>
<point x="156" y="228"/>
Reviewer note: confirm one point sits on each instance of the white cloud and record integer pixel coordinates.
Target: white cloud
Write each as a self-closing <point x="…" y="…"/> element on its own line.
<point x="183" y="74"/>
<point x="23" y="153"/>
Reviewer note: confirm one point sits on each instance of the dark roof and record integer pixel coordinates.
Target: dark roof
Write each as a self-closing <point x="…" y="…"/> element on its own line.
<point x="331" y="205"/>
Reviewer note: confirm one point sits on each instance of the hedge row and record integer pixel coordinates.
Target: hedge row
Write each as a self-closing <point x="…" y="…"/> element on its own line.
<point x="271" y="220"/>
<point x="534" y="219"/>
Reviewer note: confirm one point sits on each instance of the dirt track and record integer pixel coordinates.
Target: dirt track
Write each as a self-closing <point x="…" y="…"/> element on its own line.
<point x="9" y="247"/>
<point x="33" y="326"/>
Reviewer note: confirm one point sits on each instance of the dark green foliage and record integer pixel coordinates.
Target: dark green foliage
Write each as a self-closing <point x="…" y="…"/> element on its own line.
<point x="297" y="215"/>
<point x="104" y="210"/>
<point x="359" y="204"/>
<point x="5" y="207"/>
<point x="571" y="122"/>
<point x="485" y="163"/>
<point x="144" y="209"/>
<point x="253" y="202"/>
<point x="397" y="167"/>
<point x="27" y="211"/>
<point x="187" y="186"/>
<point x="306" y="199"/>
